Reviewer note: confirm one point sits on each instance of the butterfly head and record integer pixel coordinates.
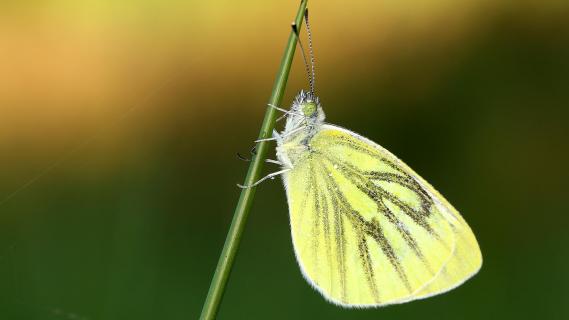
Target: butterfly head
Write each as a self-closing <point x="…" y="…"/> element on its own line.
<point x="305" y="117"/>
<point x="308" y="104"/>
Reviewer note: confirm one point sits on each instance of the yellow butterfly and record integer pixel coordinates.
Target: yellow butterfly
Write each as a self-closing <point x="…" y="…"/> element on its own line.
<point x="367" y="230"/>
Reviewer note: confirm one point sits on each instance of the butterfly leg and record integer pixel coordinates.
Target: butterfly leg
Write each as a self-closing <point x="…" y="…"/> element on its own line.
<point x="276" y="136"/>
<point x="242" y="158"/>
<point x="254" y="153"/>
<point x="281" y="117"/>
<point x="290" y="132"/>
<point x="274" y="162"/>
<point x="285" y="111"/>
<point x="269" y="176"/>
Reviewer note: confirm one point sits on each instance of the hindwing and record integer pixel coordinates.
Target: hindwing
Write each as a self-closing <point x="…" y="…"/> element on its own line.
<point x="367" y="230"/>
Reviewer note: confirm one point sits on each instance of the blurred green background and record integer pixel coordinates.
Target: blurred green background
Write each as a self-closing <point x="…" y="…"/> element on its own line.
<point x="119" y="124"/>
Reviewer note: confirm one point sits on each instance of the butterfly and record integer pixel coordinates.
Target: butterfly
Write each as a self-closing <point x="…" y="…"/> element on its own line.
<point x="367" y="230"/>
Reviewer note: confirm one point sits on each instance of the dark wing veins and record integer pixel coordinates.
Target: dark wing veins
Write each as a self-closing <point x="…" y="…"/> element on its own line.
<point x="365" y="182"/>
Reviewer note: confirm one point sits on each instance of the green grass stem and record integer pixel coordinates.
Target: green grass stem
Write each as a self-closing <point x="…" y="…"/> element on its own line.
<point x="223" y="269"/>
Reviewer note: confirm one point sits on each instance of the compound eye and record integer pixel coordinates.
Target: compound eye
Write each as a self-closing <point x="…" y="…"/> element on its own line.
<point x="309" y="108"/>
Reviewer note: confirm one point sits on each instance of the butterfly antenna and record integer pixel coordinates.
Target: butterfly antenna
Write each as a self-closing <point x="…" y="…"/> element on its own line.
<point x="306" y="66"/>
<point x="311" y="52"/>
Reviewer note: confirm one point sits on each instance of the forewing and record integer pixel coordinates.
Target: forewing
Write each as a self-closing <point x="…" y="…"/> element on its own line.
<point x="368" y="231"/>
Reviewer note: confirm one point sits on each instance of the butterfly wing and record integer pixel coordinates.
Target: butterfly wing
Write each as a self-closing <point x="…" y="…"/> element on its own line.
<point x="367" y="230"/>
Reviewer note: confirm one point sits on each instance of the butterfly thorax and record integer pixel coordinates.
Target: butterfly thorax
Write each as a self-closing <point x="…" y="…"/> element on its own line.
<point x="304" y="120"/>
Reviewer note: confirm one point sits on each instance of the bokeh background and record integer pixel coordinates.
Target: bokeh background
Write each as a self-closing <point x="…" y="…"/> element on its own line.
<point x="120" y="120"/>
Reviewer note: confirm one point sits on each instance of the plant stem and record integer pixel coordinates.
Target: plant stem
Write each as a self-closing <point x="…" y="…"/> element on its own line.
<point x="219" y="281"/>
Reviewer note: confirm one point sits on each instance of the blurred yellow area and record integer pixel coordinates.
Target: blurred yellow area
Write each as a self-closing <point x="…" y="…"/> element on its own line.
<point x="68" y="68"/>
<point x="75" y="60"/>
